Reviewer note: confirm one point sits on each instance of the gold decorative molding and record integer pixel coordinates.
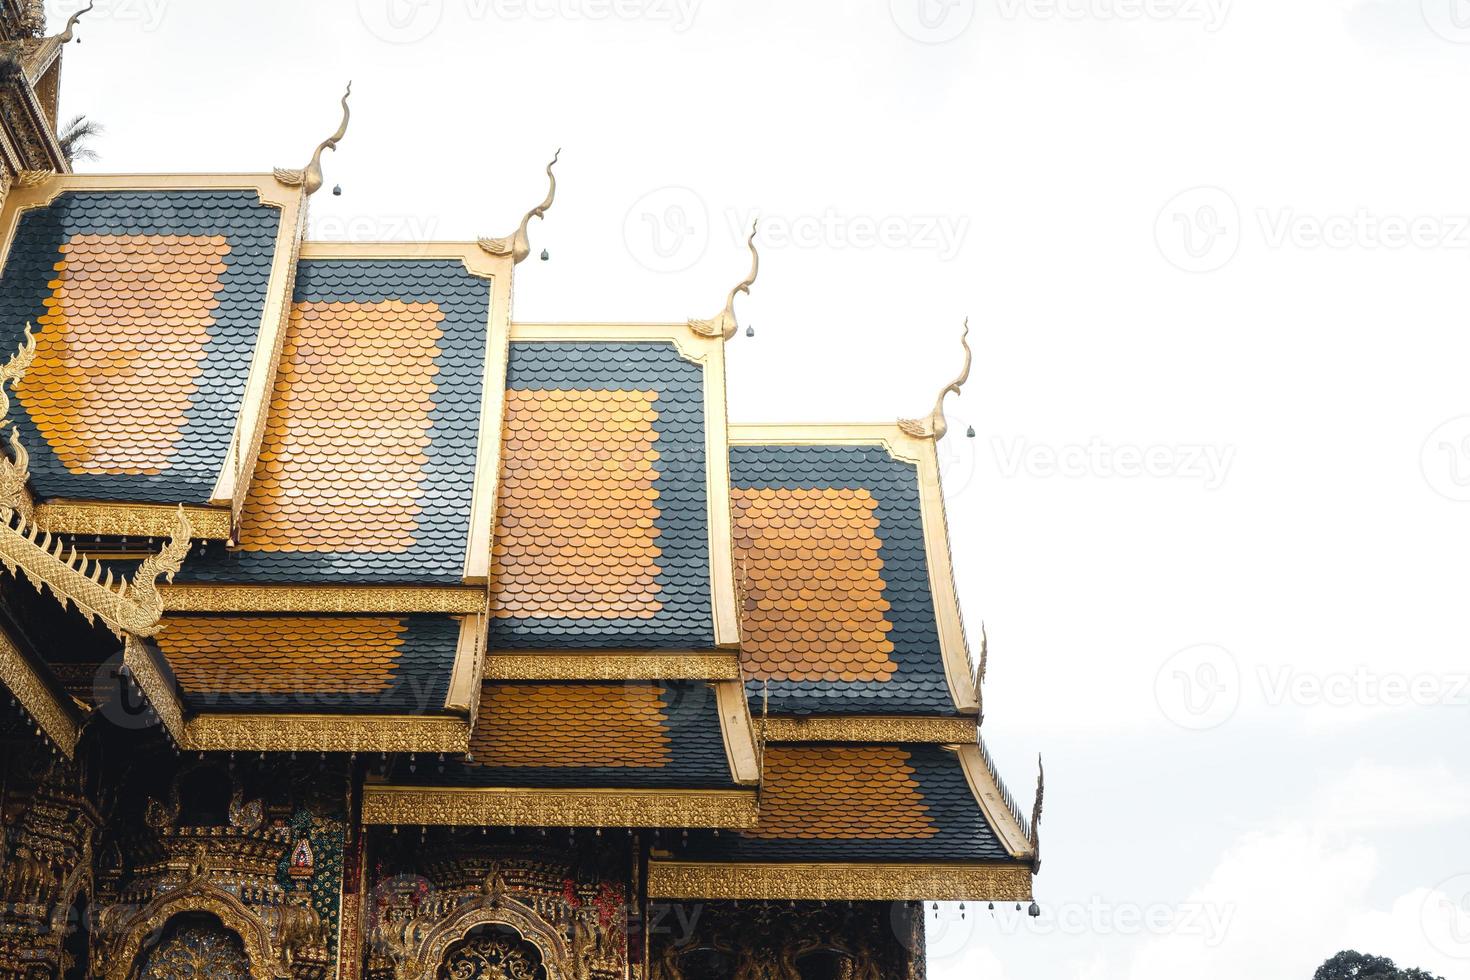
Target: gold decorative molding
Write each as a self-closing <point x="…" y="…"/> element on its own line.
<point x="724" y="324"/>
<point x="518" y="245"/>
<point x="1036" y="815"/>
<point x="449" y="599"/>
<point x="199" y="895"/>
<point x="132" y="607"/>
<point x="977" y="882"/>
<point x="325" y="733"/>
<point x="128" y="520"/>
<point x="309" y="178"/>
<point x="942" y="731"/>
<point x="579" y="807"/>
<point x="15" y="474"/>
<point x="934" y="426"/>
<point x="37" y="697"/>
<point x="630" y="666"/>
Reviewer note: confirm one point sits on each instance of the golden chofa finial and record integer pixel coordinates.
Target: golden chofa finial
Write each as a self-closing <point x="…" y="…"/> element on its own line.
<point x="71" y="23"/>
<point x="518" y="245"/>
<point x="724" y="324"/>
<point x="311" y="177"/>
<point x="934" y="426"/>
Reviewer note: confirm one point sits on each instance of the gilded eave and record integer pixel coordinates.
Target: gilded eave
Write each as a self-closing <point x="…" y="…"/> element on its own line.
<point x="709" y="353"/>
<point x="53" y="712"/>
<point x="357" y="599"/>
<point x="619" y="665"/>
<point x="853" y="882"/>
<point x="570" y="807"/>
<point x="871" y="728"/>
<point x="954" y="648"/>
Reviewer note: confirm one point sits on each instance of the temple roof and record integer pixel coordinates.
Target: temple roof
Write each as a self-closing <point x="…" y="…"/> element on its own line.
<point x="531" y="568"/>
<point x="602" y="528"/>
<point x="366" y="469"/>
<point x="260" y="663"/>
<point x="146" y="306"/>
<point x="837" y="612"/>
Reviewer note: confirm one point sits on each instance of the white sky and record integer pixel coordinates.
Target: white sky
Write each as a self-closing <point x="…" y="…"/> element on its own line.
<point x="1024" y="161"/>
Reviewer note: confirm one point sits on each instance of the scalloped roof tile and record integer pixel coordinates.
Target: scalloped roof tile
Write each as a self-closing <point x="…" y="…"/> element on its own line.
<point x="146" y="306"/>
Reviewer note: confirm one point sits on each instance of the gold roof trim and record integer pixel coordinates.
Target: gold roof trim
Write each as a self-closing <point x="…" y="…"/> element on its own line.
<point x="325" y="733"/>
<point x="742" y="749"/>
<point x="724" y="324"/>
<point x="354" y="599"/>
<point x="141" y="660"/>
<point x="995" y="802"/>
<point x="518" y="244"/>
<point x="934" y="426"/>
<point x="127" y="606"/>
<point x="309" y="178"/>
<point x="39" y="699"/>
<point x="854" y="882"/>
<point x="632" y="665"/>
<point x="571" y="807"/>
<point x="128" y="520"/>
<point x="872" y="728"/>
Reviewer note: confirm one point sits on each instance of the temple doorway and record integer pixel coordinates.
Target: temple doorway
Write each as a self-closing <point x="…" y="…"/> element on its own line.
<point x="195" y="947"/>
<point x="493" y="953"/>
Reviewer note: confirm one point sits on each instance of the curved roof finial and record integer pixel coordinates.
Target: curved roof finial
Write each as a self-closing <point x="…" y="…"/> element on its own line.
<point x="723" y="324"/>
<point x="934" y="427"/>
<point x="518" y="245"/>
<point x="310" y="178"/>
<point x="71" y="23"/>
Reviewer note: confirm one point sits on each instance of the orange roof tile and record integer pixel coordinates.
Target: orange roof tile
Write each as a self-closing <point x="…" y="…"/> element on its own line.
<point x="575" y="527"/>
<point x="813" y="590"/>
<point x="120" y="347"/>
<point x="572" y="725"/>
<point x="343" y="454"/>
<point x="282" y="654"/>
<point x="848" y="791"/>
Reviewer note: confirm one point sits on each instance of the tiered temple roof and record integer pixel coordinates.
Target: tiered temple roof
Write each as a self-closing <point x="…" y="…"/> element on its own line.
<point x="532" y="567"/>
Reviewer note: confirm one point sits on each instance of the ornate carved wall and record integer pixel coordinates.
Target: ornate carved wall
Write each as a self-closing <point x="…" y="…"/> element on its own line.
<point x="569" y="903"/>
<point x="788" y="941"/>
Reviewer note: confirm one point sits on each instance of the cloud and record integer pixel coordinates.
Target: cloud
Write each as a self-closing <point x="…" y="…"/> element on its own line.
<point x="1374" y="797"/>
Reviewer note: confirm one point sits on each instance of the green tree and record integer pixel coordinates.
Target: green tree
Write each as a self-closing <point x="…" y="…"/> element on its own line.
<point x="1352" y="965"/>
<point x="76" y="137"/>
